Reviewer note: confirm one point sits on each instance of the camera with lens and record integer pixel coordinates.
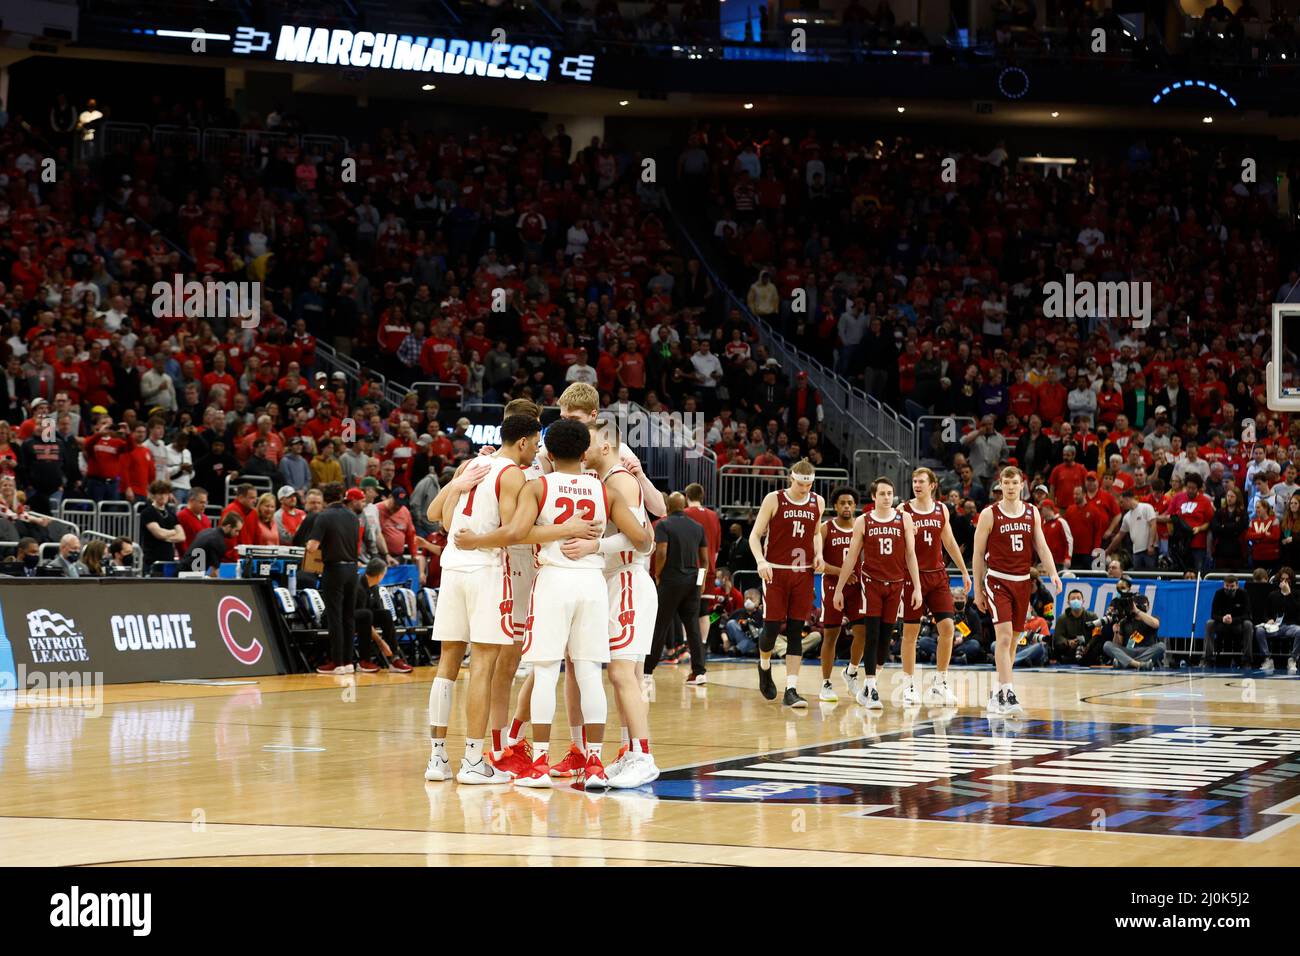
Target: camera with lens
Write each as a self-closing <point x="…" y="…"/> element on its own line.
<point x="1122" y="607"/>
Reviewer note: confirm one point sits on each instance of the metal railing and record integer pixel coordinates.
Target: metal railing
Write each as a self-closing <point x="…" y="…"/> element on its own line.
<point x="215" y="143"/>
<point x="745" y="486"/>
<point x="870" y="464"/>
<point x="852" y="417"/>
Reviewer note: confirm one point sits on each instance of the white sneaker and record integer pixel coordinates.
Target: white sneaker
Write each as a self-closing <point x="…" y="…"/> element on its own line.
<point x="828" y="693"/>
<point x="481" y="773"/>
<point x="634" y="770"/>
<point x="869" y="697"/>
<point x="439" y="768"/>
<point x="1267" y="667"/>
<point x="996" y="707"/>
<point x="343" y="669"/>
<point x="851" y="683"/>
<point x="939" y="694"/>
<point x="697" y="680"/>
<point x="1011" y="704"/>
<point x="1290" y="665"/>
<point x="910" y="696"/>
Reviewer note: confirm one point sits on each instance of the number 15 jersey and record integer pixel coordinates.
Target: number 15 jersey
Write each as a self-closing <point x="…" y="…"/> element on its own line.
<point x="566" y="495"/>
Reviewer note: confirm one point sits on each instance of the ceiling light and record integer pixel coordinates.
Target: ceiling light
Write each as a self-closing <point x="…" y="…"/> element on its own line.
<point x="902" y="109"/>
<point x="1207" y="119"/>
<point x="427" y="87"/>
<point x="749" y="106"/>
<point x="622" y="102"/>
<point x="1055" y="114"/>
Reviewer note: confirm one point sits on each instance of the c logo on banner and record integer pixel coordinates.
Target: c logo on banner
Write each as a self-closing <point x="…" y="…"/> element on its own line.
<point x="229" y="605"/>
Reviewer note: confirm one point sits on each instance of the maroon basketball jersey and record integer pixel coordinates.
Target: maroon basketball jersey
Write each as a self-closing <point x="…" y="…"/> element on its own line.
<point x="884" y="548"/>
<point x="927" y="532"/>
<point x="1010" y="547"/>
<point x="790" y="532"/>
<point x="835" y="549"/>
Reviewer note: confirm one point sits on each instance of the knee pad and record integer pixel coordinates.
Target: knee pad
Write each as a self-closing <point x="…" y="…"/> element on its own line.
<point x="591" y="692"/>
<point x="771" y="631"/>
<point x="793" y="638"/>
<point x="546" y="677"/>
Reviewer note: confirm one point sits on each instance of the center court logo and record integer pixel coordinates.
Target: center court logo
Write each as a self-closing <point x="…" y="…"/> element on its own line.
<point x="1213" y="782"/>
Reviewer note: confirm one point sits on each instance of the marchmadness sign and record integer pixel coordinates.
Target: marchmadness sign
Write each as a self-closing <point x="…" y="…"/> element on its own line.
<point x="140" y="630"/>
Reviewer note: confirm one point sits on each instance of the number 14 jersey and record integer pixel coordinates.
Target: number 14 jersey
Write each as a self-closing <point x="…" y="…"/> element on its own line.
<point x="566" y="495"/>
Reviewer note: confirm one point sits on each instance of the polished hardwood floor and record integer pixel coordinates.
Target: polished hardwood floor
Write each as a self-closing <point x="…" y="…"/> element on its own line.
<point x="1106" y="768"/>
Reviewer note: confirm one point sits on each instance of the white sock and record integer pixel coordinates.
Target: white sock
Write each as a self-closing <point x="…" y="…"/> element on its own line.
<point x="439" y="747"/>
<point x="576" y="735"/>
<point x="593" y="749"/>
<point x="791" y="681"/>
<point x="1006" y="686"/>
<point x="941" y="677"/>
<point x="540" y="748"/>
<point x="871" y="683"/>
<point x="474" y="751"/>
<point x="853" y="672"/>
<point x="625" y="739"/>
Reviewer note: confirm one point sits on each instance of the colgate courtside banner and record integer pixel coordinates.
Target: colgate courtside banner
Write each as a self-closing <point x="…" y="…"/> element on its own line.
<point x="143" y="629"/>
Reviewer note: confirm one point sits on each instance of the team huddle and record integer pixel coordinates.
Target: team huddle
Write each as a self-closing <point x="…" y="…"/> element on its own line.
<point x="887" y="563"/>
<point x="548" y="559"/>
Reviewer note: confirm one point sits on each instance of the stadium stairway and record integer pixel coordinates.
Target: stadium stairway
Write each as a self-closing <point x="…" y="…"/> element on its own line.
<point x="874" y="437"/>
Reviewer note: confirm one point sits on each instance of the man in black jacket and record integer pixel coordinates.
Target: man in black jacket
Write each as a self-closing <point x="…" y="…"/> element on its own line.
<point x="376" y="629"/>
<point x="1034" y="449"/>
<point x="1077" y="638"/>
<point x="1281" y="620"/>
<point x="1230" y="619"/>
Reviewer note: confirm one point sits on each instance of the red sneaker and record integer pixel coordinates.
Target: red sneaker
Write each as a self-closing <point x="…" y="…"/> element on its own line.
<point x="574" y="762"/>
<point x="593" y="775"/>
<point x="514" y="760"/>
<point x="399" y="666"/>
<point x="368" y="667"/>
<point x="538" y="774"/>
<point x="327" y="668"/>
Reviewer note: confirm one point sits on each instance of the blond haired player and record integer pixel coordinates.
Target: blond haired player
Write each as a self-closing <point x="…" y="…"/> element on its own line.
<point x="933" y="536"/>
<point x="568" y="613"/>
<point x="633" y="605"/>
<point x="1008" y="533"/>
<point x="579" y="402"/>
<point x="786" y="544"/>
<point x="474" y="601"/>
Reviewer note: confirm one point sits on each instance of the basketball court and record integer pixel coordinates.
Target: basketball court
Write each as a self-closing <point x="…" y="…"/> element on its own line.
<point x="1113" y="769"/>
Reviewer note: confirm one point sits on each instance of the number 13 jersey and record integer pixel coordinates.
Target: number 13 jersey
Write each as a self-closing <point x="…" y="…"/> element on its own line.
<point x="563" y="496"/>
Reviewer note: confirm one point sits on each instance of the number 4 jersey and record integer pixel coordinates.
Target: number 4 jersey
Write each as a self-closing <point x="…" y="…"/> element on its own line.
<point x="563" y="496"/>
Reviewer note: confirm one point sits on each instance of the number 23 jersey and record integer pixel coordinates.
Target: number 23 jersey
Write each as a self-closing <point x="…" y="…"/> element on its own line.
<point x="563" y="496"/>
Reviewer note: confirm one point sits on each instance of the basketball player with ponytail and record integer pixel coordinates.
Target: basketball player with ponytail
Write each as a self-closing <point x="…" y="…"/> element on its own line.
<point x="1008" y="533"/>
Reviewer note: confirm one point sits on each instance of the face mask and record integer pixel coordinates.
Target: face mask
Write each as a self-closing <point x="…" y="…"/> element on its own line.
<point x="959" y="607"/>
<point x="1076" y="605"/>
<point x="32" y="560"/>
<point x="74" y="555"/>
<point x="750" y="604"/>
<point x="717" y="582"/>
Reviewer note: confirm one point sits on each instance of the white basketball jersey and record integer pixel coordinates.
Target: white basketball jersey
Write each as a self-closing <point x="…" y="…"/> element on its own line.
<point x="524" y="555"/>
<point x="479" y="511"/>
<point x="624" y="559"/>
<point x="566" y="495"/>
